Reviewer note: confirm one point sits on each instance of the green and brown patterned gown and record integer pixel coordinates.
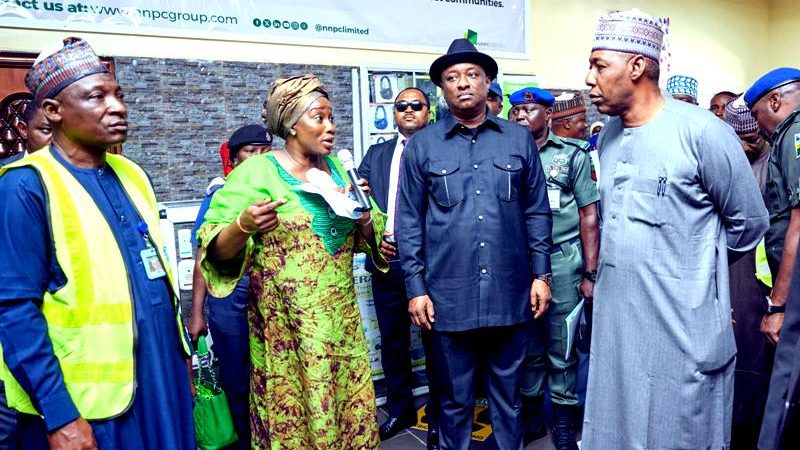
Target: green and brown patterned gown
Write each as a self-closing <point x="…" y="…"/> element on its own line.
<point x="310" y="382"/>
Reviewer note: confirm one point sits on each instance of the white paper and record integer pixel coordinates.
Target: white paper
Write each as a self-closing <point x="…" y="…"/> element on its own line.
<point x="321" y="183"/>
<point x="572" y="321"/>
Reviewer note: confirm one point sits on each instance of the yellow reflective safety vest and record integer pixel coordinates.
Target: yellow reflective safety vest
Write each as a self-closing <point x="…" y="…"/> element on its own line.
<point x="90" y="320"/>
<point x="762" y="266"/>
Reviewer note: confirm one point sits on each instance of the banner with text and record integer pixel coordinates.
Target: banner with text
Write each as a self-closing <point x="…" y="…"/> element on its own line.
<point x="499" y="27"/>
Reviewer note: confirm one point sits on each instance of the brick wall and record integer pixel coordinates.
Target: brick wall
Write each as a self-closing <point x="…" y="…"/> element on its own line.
<point x="180" y="111"/>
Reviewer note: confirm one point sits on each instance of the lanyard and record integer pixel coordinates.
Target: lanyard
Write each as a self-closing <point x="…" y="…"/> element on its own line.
<point x="143" y="229"/>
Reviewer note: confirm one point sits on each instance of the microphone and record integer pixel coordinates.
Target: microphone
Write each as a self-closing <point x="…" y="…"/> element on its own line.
<point x="346" y="158"/>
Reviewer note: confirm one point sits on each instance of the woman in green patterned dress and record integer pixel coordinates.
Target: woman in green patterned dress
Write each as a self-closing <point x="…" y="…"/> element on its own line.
<point x="310" y="382"/>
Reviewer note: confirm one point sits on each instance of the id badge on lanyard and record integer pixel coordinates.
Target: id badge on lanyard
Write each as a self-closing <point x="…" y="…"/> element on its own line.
<point x="150" y="259"/>
<point x="554" y="192"/>
<point x="554" y="197"/>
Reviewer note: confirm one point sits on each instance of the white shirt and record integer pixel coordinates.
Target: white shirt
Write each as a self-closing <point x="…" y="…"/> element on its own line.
<point x="394" y="180"/>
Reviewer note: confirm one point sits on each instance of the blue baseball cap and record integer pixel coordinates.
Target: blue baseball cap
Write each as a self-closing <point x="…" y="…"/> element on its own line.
<point x="532" y="95"/>
<point x="770" y="81"/>
<point x="249" y="135"/>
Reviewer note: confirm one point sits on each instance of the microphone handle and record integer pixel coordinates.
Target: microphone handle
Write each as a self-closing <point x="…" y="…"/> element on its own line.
<point x="361" y="196"/>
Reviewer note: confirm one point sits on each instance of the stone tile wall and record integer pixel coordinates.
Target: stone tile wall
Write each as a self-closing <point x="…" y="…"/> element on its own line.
<point x="180" y="112"/>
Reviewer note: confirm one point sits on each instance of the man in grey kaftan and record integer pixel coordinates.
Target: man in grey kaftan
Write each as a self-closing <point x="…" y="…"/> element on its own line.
<point x="677" y="195"/>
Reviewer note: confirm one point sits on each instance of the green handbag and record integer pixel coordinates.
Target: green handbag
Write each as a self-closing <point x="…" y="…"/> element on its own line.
<point x="213" y="424"/>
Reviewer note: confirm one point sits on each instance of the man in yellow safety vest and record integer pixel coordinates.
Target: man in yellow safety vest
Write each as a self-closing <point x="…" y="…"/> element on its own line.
<point x="94" y="351"/>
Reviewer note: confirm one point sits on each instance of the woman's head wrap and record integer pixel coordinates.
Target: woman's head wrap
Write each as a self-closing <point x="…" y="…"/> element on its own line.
<point x="288" y="99"/>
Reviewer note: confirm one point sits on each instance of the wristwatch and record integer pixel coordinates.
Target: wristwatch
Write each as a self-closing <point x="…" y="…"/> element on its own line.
<point x="546" y="277"/>
<point x="770" y="308"/>
<point x="590" y="275"/>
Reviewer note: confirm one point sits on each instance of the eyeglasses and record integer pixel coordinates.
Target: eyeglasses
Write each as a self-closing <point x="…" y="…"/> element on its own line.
<point x="415" y="105"/>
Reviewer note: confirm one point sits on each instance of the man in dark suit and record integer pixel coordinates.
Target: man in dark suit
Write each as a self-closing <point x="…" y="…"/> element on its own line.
<point x="381" y="168"/>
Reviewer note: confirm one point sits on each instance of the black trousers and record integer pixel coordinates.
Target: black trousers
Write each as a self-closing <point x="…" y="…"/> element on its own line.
<point x="498" y="353"/>
<point x="391" y="308"/>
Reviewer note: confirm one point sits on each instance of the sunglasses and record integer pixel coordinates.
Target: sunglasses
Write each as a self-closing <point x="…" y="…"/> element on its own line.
<point x="415" y="105"/>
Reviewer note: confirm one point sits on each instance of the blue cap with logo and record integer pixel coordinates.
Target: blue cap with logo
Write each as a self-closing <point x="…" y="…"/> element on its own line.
<point x="249" y="135"/>
<point x="532" y="95"/>
<point x="770" y="81"/>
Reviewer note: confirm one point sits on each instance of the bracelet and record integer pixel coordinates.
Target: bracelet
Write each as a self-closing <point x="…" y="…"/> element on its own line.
<point x="366" y="223"/>
<point x="590" y="275"/>
<point x="241" y="228"/>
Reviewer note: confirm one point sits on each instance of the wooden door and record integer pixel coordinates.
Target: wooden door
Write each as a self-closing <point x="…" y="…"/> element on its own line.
<point x="14" y="98"/>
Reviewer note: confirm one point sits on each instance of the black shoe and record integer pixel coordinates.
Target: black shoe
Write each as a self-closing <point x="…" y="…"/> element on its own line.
<point x="533" y="435"/>
<point x="433" y="436"/>
<point x="564" y="427"/>
<point x="533" y="419"/>
<point x="394" y="425"/>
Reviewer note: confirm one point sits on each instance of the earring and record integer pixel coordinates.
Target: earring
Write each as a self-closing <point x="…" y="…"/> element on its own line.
<point x="293" y="133"/>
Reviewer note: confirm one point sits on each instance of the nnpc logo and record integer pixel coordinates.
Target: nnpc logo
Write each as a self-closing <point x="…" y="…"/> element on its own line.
<point x="471" y="36"/>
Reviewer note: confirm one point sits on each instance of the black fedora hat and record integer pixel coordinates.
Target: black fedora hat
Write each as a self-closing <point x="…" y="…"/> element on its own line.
<point x="462" y="51"/>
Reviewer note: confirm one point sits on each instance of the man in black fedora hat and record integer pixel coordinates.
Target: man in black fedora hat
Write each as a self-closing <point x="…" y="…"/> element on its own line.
<point x="474" y="245"/>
